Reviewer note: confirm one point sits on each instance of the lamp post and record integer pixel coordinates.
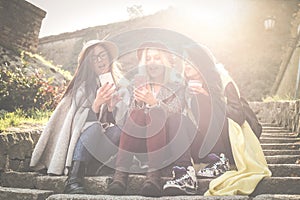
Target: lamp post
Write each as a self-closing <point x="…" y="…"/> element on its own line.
<point x="269" y="23"/>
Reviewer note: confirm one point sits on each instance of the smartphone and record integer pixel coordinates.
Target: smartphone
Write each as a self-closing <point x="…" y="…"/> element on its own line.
<point x="140" y="80"/>
<point x="194" y="83"/>
<point x="106" y="78"/>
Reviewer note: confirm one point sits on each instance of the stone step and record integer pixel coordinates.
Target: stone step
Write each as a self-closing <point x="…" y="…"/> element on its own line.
<point x="275" y="131"/>
<point x="19" y="179"/>
<point x="279" y="146"/>
<point x="269" y="125"/>
<point x="281" y="152"/>
<point x="283" y="135"/>
<point x="276" y="197"/>
<point x="9" y="193"/>
<point x="97" y="185"/>
<point x="282" y="159"/>
<point x="278" y="185"/>
<point x="273" y="128"/>
<point x="190" y="197"/>
<point x="285" y="170"/>
<point x="279" y="140"/>
<point x="127" y="197"/>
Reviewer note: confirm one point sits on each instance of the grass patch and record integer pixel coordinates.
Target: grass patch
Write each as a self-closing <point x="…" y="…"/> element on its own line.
<point x="20" y="118"/>
<point x="277" y="98"/>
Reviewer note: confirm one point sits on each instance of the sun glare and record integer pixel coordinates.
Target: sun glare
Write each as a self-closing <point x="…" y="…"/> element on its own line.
<point x="213" y="13"/>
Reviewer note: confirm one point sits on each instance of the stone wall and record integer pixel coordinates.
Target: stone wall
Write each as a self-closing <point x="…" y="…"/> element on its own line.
<point x="20" y="25"/>
<point x="250" y="53"/>
<point x="283" y="113"/>
<point x="16" y="148"/>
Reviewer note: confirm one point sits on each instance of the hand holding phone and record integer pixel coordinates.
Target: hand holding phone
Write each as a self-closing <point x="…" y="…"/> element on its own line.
<point x="196" y="87"/>
<point x="195" y="83"/>
<point x="107" y="78"/>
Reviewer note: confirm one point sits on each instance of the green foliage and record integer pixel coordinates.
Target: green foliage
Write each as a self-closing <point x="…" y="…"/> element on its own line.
<point x="65" y="73"/>
<point x="20" y="90"/>
<point x="19" y="117"/>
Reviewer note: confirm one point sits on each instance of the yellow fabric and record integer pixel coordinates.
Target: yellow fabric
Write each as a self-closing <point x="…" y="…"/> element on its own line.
<point x="250" y="162"/>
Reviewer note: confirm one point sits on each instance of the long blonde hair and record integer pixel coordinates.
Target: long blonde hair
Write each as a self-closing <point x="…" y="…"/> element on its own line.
<point x="118" y="76"/>
<point x="164" y="58"/>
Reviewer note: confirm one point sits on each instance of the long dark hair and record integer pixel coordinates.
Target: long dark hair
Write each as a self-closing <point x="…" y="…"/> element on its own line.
<point x="204" y="61"/>
<point x="85" y="73"/>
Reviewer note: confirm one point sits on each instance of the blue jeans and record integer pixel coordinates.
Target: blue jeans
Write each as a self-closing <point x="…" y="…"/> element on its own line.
<point x="96" y="144"/>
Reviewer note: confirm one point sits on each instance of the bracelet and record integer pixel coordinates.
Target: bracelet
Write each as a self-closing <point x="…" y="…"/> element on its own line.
<point x="155" y="105"/>
<point x="139" y="106"/>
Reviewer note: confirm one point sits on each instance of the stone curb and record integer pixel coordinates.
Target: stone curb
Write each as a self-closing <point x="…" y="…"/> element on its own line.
<point x="281" y="152"/>
<point x="23" y="194"/>
<point x="97" y="185"/>
<point x="107" y="197"/>
<point x="278" y="140"/>
<point x="279" y="146"/>
<point x="282" y="159"/>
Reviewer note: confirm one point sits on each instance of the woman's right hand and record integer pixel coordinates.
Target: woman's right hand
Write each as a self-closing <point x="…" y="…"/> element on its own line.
<point x="198" y="90"/>
<point x="138" y="101"/>
<point x="104" y="93"/>
<point x="145" y="95"/>
<point x="195" y="87"/>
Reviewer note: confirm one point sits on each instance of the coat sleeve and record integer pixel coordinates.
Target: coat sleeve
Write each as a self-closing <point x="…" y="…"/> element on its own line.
<point x="234" y="108"/>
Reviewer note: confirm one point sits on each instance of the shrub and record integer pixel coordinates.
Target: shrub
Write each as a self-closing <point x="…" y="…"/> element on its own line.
<point x="19" y="90"/>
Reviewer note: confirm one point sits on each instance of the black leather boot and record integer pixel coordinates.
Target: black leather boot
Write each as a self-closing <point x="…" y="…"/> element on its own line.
<point x="74" y="182"/>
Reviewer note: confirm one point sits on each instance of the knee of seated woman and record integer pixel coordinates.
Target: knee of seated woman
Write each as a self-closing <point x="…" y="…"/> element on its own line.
<point x="114" y="133"/>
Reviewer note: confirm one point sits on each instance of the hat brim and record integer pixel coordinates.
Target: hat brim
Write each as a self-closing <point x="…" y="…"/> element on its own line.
<point x="109" y="46"/>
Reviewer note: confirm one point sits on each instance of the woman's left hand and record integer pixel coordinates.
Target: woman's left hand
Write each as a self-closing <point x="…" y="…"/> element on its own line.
<point x="145" y="95"/>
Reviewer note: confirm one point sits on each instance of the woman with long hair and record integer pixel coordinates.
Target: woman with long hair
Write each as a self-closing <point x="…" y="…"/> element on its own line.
<point x="86" y="121"/>
<point x="220" y="133"/>
<point x="155" y="99"/>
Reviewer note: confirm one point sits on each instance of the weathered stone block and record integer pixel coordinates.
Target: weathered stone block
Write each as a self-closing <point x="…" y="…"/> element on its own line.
<point x="283" y="113"/>
<point x="276" y="197"/>
<point x="14" y="164"/>
<point x="23" y="194"/>
<point x="137" y="197"/>
<point x="54" y="183"/>
<point x="3" y="161"/>
<point x="278" y="185"/>
<point x="20" y="25"/>
<point x="19" y="179"/>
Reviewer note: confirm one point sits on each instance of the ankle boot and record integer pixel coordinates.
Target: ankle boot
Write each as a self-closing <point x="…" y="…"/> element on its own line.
<point x="118" y="185"/>
<point x="74" y="182"/>
<point x="152" y="186"/>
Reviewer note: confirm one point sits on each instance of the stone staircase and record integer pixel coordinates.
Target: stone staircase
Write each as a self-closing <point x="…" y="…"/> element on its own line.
<point x="281" y="148"/>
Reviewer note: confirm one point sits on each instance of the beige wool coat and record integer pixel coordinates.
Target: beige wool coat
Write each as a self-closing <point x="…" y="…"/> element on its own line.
<point x="55" y="147"/>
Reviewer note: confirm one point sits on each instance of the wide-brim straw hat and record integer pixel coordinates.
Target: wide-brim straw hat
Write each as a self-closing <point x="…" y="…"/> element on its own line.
<point x="109" y="46"/>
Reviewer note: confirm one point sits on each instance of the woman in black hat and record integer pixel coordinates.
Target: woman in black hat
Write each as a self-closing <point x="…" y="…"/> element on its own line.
<point x="220" y="133"/>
